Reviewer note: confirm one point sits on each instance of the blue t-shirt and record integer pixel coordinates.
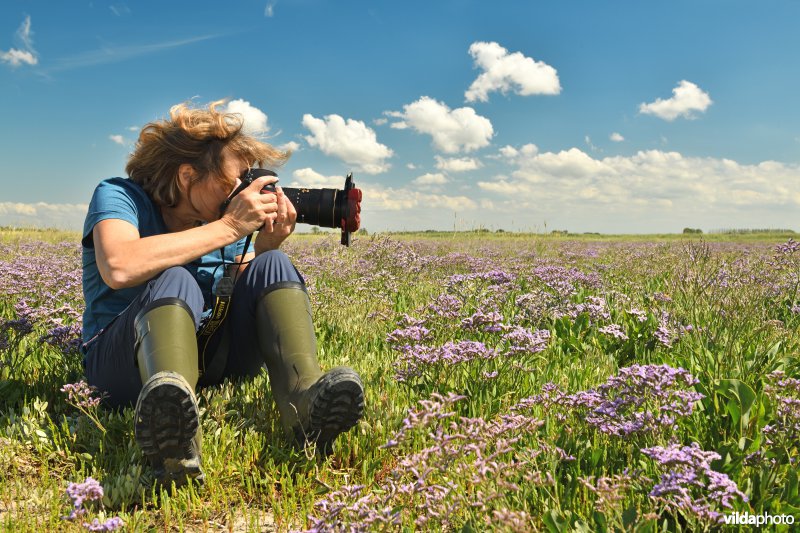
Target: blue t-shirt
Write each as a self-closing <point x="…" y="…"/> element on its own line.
<point x="121" y="198"/>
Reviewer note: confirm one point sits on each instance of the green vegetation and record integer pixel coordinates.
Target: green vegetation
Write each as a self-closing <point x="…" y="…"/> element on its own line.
<point x="515" y="382"/>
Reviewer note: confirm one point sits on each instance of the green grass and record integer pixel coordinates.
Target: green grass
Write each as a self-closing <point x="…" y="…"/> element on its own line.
<point x="733" y="290"/>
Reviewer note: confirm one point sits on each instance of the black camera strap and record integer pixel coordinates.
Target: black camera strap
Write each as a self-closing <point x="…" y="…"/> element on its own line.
<point x="214" y="364"/>
<point x="210" y="363"/>
<point x="222" y="303"/>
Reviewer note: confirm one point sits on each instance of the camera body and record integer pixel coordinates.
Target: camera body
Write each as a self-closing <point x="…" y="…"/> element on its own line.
<point x="327" y="208"/>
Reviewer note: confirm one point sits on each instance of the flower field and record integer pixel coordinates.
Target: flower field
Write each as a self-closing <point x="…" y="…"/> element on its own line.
<point x="514" y="383"/>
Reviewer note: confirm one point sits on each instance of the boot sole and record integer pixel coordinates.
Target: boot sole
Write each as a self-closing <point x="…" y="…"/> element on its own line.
<point x="337" y="406"/>
<point x="167" y="421"/>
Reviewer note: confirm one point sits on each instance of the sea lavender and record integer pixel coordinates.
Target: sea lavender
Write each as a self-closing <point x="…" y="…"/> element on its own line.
<point x="404" y="337"/>
<point x="640" y="399"/>
<point x="415" y="360"/>
<point x="111" y="524"/>
<point x="614" y="330"/>
<point x="445" y="306"/>
<point x="688" y="482"/>
<point x="524" y="341"/>
<point x="482" y="321"/>
<point x="66" y="338"/>
<point x="448" y="468"/>
<point x="608" y="491"/>
<point x="789" y="247"/>
<point x="638" y="314"/>
<point x="82" y="396"/>
<point x="89" y="491"/>
<point x="785" y="393"/>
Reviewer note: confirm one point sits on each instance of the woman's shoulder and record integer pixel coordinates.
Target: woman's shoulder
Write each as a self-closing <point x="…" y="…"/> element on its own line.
<point x="122" y="189"/>
<point x="125" y="185"/>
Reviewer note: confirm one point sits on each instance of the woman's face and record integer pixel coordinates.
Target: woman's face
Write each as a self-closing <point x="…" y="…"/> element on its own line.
<point x="206" y="196"/>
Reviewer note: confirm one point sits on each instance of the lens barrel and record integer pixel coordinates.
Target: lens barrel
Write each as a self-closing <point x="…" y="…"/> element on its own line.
<point x="318" y="207"/>
<point x="327" y="208"/>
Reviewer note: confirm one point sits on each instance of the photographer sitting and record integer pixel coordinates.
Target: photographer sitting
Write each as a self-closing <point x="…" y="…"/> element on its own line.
<point x="173" y="298"/>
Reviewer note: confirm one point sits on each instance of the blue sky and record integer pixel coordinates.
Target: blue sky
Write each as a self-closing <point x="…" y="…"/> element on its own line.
<point x="616" y="117"/>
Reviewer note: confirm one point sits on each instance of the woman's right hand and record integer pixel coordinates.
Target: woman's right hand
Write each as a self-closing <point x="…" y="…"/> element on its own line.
<point x="251" y="209"/>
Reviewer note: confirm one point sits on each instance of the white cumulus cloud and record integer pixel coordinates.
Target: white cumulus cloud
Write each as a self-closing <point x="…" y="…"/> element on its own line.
<point x="118" y="139"/>
<point x="506" y="72"/>
<point x="379" y="199"/>
<point x="308" y="177"/>
<point x="254" y="121"/>
<point x="25" y="54"/>
<point x="43" y="215"/>
<point x="452" y="130"/>
<point x="436" y="178"/>
<point x="616" y="137"/>
<point x="457" y="164"/>
<point x="291" y="145"/>
<point x="511" y="153"/>
<point x="352" y="141"/>
<point x="574" y="180"/>
<point x="687" y="98"/>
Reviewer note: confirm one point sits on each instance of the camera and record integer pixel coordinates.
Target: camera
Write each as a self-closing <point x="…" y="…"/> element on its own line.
<point x="327" y="208"/>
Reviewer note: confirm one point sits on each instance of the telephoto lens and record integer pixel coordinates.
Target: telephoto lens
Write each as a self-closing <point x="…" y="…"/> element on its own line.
<point x="327" y="208"/>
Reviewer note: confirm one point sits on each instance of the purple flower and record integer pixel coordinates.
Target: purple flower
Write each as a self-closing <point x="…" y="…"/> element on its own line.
<point x="445" y="464"/>
<point x="80" y="395"/>
<point x="639" y="399"/>
<point x="689" y="483"/>
<point x="405" y="336"/>
<point x="614" y="330"/>
<point x="90" y="490"/>
<point x="785" y="393"/>
<point x="65" y="338"/>
<point x="789" y="247"/>
<point x="415" y="360"/>
<point x="664" y="335"/>
<point x="446" y="306"/>
<point x="21" y="326"/>
<point x="480" y="321"/>
<point x="640" y="315"/>
<point x="521" y="340"/>
<point x="112" y="524"/>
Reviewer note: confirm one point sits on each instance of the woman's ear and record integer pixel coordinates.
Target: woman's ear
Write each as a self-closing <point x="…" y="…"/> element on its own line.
<point x="186" y="174"/>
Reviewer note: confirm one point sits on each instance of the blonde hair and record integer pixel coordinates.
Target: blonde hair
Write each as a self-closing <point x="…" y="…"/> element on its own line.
<point x="195" y="137"/>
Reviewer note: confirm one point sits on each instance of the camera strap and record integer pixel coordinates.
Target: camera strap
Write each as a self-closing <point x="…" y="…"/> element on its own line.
<point x="222" y="303"/>
<point x="223" y="293"/>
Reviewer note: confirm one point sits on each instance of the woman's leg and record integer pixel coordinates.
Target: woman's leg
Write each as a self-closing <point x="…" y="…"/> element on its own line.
<point x="266" y="270"/>
<point x="111" y="359"/>
<point x="271" y="324"/>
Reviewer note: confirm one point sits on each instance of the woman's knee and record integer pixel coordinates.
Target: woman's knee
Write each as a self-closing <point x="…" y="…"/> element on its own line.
<point x="272" y="267"/>
<point x="177" y="282"/>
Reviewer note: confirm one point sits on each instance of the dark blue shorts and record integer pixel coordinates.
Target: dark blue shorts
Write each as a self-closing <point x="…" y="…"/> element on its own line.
<point x="110" y="357"/>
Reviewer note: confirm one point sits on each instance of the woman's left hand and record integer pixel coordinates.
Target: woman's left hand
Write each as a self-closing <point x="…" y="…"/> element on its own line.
<point x="276" y="229"/>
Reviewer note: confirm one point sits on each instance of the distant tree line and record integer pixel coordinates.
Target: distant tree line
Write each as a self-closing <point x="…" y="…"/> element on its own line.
<point x="747" y="231"/>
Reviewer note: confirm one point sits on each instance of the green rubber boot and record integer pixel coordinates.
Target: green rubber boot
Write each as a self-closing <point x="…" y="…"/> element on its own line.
<point x="167" y="423"/>
<point x="314" y="406"/>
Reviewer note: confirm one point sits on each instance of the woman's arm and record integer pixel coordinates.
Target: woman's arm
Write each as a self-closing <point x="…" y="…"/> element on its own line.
<point x="124" y="259"/>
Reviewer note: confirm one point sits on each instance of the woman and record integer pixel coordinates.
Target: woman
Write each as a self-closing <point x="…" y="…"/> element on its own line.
<point x="173" y="298"/>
